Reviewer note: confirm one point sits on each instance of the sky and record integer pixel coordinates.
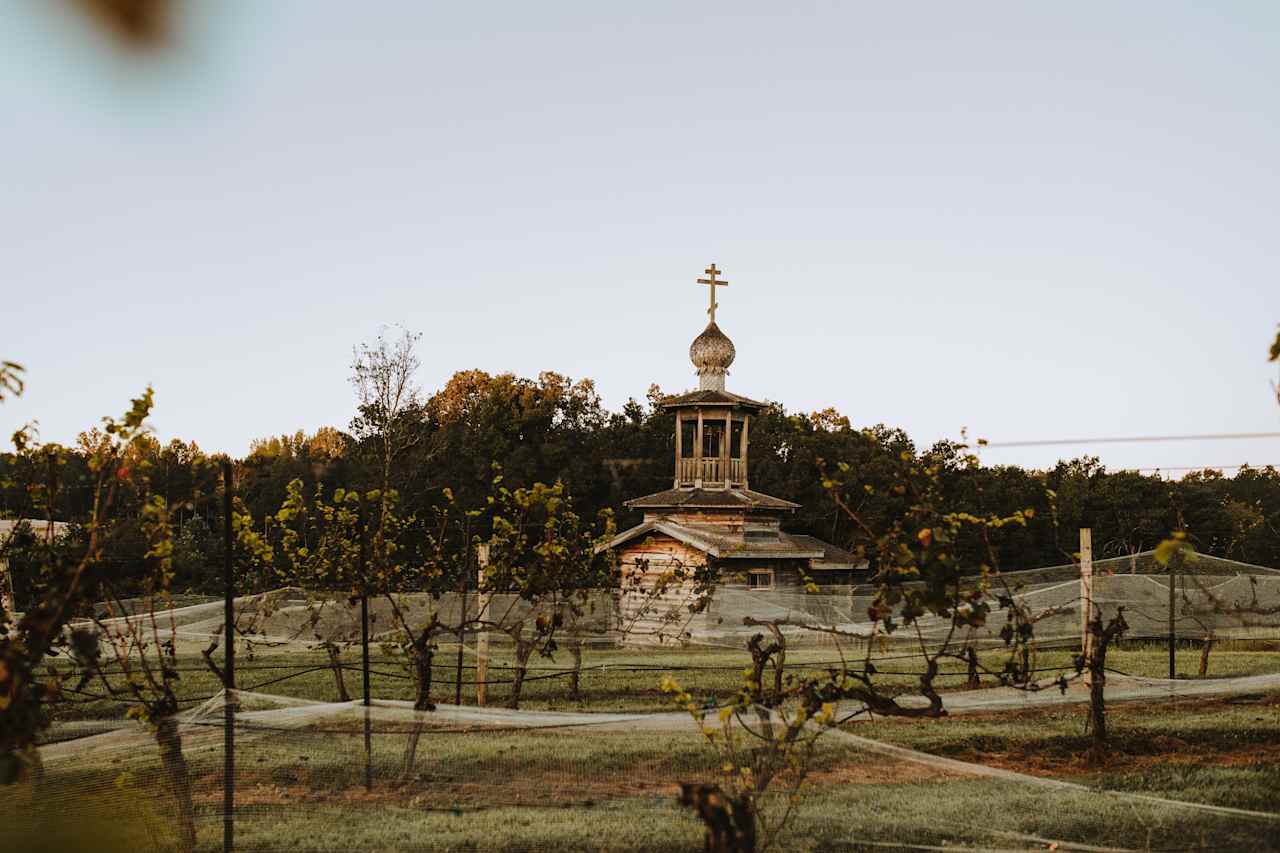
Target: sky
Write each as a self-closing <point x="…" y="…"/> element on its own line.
<point x="1030" y="221"/>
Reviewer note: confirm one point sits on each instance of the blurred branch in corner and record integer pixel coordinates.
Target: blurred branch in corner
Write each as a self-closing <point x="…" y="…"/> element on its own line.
<point x="136" y="24"/>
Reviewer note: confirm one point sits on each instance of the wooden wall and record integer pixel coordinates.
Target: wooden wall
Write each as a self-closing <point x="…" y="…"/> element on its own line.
<point x="649" y="618"/>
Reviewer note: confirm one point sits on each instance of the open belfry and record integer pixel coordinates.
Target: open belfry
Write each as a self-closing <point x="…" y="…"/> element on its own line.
<point x="710" y="513"/>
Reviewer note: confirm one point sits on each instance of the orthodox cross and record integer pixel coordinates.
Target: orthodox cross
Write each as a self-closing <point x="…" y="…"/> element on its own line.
<point x="714" y="282"/>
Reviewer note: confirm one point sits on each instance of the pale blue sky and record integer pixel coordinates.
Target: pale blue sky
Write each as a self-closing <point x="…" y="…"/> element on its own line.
<point x="1035" y="220"/>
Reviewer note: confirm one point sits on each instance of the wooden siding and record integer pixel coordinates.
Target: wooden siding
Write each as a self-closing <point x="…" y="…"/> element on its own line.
<point x="642" y="613"/>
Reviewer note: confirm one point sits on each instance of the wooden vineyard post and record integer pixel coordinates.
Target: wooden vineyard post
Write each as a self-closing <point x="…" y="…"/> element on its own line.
<point x="462" y="624"/>
<point x="1086" y="597"/>
<point x="6" y="588"/>
<point x="1173" y="633"/>
<point x="482" y="636"/>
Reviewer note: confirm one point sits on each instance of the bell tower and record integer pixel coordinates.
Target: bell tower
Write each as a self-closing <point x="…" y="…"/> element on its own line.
<point x="712" y="425"/>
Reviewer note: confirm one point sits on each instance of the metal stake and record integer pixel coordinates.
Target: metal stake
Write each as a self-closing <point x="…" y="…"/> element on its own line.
<point x="364" y="648"/>
<point x="228" y="670"/>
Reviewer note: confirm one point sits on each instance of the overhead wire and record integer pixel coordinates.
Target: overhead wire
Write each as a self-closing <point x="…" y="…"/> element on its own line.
<point x="1134" y="439"/>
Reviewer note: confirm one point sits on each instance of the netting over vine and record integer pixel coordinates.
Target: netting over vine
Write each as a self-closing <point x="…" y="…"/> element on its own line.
<point x="338" y="776"/>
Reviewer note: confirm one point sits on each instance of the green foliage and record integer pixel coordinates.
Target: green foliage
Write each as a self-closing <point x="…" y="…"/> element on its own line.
<point x="758" y="742"/>
<point x="543" y="559"/>
<point x="918" y="551"/>
<point x="11" y="382"/>
<point x="143" y="648"/>
<point x="540" y="546"/>
<point x="1176" y="549"/>
<point x="65" y="573"/>
<point x="318" y="540"/>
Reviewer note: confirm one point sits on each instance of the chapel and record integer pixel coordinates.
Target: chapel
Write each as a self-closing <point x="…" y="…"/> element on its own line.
<point x="710" y="511"/>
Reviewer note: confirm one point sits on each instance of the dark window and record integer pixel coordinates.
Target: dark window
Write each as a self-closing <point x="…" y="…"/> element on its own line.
<point x="688" y="437"/>
<point x="735" y="441"/>
<point x="760" y="579"/>
<point x="711" y="435"/>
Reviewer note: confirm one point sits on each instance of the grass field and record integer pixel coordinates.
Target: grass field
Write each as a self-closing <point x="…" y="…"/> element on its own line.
<point x="602" y="788"/>
<point x="615" y="789"/>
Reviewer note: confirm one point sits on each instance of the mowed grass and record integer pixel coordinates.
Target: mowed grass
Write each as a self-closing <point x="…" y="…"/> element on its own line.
<point x="969" y="814"/>
<point x="578" y="788"/>
<point x="1223" y="752"/>
<point x="581" y="788"/>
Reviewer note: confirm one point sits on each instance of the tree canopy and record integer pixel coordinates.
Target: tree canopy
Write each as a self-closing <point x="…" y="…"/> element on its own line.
<point x="553" y="429"/>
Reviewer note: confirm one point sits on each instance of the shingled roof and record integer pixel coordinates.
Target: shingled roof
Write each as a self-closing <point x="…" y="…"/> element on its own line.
<point x="717" y="545"/>
<point x="711" y="397"/>
<point x="734" y="498"/>
<point x="832" y="557"/>
<point x="787" y="546"/>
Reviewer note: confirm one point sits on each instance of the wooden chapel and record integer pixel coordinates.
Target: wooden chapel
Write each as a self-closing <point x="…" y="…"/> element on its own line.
<point x="710" y="512"/>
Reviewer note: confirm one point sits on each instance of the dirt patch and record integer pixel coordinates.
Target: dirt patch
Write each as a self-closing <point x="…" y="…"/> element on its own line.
<point x="296" y="784"/>
<point x="880" y="773"/>
<point x="1121" y="756"/>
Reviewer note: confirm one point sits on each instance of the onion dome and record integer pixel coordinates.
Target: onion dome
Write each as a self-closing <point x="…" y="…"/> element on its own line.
<point x="711" y="353"/>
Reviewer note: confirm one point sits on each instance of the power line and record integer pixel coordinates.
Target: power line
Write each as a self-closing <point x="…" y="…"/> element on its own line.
<point x="1134" y="439"/>
<point x="1197" y="467"/>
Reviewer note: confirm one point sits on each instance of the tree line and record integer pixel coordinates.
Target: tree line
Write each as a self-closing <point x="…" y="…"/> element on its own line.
<point x="551" y="429"/>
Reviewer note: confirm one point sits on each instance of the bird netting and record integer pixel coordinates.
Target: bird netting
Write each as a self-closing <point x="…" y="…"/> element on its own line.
<point x="587" y="761"/>
<point x="1202" y="597"/>
<point x="294" y="619"/>
<point x="341" y="776"/>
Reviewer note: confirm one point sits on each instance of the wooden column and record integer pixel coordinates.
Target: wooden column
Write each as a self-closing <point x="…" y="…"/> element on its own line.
<point x="697" y="454"/>
<point x="724" y="446"/>
<point x="679" y="445"/>
<point x="746" y="420"/>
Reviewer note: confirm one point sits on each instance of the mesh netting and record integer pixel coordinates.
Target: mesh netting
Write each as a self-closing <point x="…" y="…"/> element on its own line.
<point x="294" y="619"/>
<point x="339" y="776"/>
<point x="1205" y="597"/>
<point x="593" y="758"/>
<point x="1211" y="597"/>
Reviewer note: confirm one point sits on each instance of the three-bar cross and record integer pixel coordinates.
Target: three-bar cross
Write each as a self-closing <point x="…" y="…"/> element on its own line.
<point x="712" y="272"/>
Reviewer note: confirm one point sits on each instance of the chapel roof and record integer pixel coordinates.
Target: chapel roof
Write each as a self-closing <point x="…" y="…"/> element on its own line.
<point x="821" y="555"/>
<point x="711" y="351"/>
<point x="711" y="397"/>
<point x="832" y="556"/>
<point x="695" y="498"/>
